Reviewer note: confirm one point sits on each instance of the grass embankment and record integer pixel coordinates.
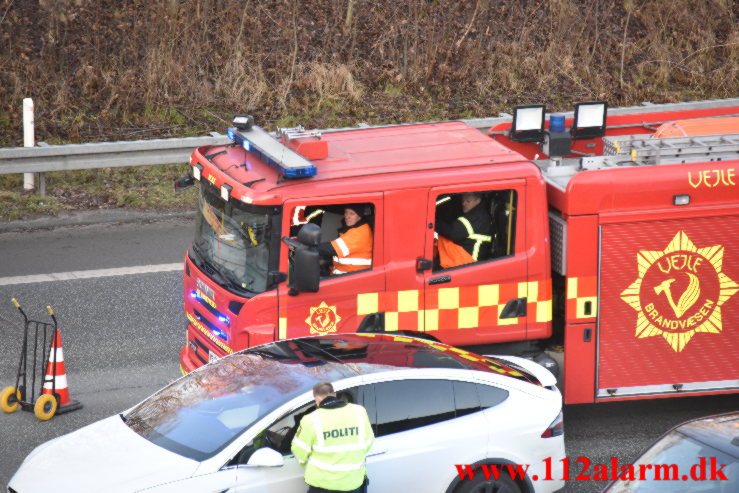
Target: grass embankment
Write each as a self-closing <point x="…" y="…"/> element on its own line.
<point x="149" y="69"/>
<point x="140" y="188"/>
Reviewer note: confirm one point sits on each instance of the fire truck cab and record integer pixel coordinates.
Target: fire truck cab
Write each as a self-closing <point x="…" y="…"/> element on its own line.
<point x="620" y="246"/>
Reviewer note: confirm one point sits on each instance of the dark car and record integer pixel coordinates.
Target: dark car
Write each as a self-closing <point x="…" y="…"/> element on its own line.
<point x="697" y="456"/>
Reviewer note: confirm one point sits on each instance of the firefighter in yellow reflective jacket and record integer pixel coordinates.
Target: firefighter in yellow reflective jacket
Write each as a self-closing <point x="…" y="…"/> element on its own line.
<point x="332" y="442"/>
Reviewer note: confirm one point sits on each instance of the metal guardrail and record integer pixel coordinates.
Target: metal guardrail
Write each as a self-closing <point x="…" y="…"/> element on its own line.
<point x="46" y="158"/>
<point x="103" y="154"/>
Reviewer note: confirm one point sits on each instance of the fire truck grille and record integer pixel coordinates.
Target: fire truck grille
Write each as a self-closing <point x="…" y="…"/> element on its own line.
<point x="200" y="350"/>
<point x="558" y="233"/>
<point x="209" y="325"/>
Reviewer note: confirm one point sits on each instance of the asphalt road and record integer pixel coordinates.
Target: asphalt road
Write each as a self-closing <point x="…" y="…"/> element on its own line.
<point x="122" y="334"/>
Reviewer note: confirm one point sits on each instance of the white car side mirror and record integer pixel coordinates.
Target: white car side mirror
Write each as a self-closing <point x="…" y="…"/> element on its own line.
<point x="266" y="457"/>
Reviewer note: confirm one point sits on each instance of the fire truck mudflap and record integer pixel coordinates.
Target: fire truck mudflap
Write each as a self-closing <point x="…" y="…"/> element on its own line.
<point x="669" y="318"/>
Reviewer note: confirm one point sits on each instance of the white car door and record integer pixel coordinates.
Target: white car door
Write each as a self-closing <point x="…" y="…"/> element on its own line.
<point x="216" y="482"/>
<point x="422" y="434"/>
<point x="288" y="477"/>
<point x="278" y="436"/>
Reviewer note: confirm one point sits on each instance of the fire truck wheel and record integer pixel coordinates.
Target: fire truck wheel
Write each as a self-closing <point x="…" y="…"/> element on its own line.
<point x="45" y="407"/>
<point x="504" y="484"/>
<point x="10" y="399"/>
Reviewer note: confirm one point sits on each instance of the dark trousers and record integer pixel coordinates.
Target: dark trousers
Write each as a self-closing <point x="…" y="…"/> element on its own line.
<point x="316" y="489"/>
<point x="361" y="489"/>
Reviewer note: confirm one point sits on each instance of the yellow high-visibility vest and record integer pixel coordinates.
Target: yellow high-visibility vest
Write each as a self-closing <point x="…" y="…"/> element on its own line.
<point x="333" y="444"/>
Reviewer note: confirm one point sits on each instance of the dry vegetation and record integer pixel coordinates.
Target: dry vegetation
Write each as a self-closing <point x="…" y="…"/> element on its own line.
<point x="126" y="69"/>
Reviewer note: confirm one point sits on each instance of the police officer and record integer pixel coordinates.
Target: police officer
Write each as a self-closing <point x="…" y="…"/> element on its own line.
<point x="471" y="232"/>
<point x="332" y="442"/>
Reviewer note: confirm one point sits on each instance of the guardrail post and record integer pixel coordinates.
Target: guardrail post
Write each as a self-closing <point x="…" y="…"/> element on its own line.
<point x="42" y="176"/>
<point x="28" y="139"/>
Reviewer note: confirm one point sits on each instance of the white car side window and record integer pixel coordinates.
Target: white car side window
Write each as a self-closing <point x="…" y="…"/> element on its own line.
<point x="279" y="435"/>
<point x="408" y="404"/>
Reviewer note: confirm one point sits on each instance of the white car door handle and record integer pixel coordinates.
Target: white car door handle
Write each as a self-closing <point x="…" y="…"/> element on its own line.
<point x="376" y="452"/>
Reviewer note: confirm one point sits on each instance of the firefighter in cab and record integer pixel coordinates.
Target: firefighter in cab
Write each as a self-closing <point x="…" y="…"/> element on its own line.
<point x="352" y="250"/>
<point x="467" y="238"/>
<point x="332" y="443"/>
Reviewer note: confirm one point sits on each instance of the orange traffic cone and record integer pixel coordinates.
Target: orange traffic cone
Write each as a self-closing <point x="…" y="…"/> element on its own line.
<point x="55" y="384"/>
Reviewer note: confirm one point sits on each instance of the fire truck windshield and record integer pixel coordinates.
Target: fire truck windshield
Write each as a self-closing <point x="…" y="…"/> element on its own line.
<point x="232" y="241"/>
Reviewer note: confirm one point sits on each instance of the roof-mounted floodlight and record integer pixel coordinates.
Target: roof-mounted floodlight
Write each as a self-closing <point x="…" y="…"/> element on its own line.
<point x="243" y="122"/>
<point x="528" y="123"/>
<point x="590" y="120"/>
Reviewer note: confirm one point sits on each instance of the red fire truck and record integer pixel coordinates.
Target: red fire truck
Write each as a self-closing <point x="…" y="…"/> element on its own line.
<point x="613" y="233"/>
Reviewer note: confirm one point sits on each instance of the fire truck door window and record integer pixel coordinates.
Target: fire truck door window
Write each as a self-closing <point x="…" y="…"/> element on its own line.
<point x="473" y="227"/>
<point x="346" y="243"/>
<point x="330" y="225"/>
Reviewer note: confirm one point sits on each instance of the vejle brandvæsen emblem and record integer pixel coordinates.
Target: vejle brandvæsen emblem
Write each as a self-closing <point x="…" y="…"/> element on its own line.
<point x="679" y="291"/>
<point x="323" y="319"/>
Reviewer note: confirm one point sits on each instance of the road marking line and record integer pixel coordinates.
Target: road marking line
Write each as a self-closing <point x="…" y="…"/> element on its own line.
<point x="90" y="274"/>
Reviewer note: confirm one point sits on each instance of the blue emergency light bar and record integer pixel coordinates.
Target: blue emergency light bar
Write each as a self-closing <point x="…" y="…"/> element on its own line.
<point x="273" y="152"/>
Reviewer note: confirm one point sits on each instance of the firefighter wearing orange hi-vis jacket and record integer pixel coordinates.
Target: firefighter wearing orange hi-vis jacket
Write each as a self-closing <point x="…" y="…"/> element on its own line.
<point x="352" y="250"/>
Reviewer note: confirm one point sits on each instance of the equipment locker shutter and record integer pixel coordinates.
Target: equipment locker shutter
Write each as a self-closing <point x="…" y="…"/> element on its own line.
<point x="669" y="308"/>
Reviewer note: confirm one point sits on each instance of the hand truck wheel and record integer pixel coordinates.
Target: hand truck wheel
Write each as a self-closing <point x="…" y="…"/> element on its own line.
<point x="45" y="407"/>
<point x="10" y="399"/>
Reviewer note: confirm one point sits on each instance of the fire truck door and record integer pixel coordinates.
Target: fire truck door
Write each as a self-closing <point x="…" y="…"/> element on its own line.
<point x="484" y="299"/>
<point x="336" y="305"/>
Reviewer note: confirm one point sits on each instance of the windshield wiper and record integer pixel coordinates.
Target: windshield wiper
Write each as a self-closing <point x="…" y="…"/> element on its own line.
<point x="237" y="287"/>
<point x="211" y="269"/>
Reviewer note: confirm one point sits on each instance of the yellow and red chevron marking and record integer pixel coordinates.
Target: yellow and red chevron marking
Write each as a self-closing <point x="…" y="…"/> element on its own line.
<point x="580" y="292"/>
<point x="457" y="307"/>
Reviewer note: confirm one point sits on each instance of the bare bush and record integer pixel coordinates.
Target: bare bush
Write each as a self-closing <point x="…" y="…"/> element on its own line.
<point x="126" y="63"/>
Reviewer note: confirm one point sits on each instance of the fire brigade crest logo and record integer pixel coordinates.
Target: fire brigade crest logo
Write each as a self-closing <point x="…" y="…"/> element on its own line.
<point x="323" y="319"/>
<point x="679" y="291"/>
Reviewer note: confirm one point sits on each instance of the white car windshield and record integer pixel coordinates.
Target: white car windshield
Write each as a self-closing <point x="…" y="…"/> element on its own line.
<point x="201" y="413"/>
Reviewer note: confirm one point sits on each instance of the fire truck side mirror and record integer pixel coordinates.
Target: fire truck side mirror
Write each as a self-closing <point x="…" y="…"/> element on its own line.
<point x="309" y="235"/>
<point x="183" y="183"/>
<point x="305" y="262"/>
<point x="306" y="275"/>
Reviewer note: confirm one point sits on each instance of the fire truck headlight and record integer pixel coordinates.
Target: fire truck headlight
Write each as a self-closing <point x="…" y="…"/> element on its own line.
<point x="682" y="199"/>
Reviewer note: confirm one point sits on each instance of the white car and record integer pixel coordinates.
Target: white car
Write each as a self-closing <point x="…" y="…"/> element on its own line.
<point x="436" y="411"/>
